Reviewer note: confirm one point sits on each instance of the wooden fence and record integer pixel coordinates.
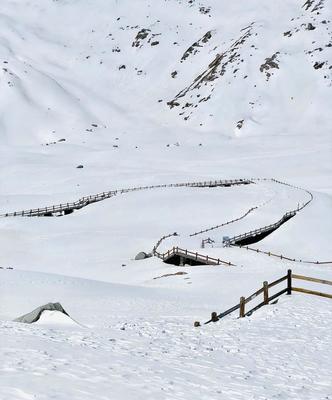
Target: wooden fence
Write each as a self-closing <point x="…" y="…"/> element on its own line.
<point x="250" y="210"/>
<point x="260" y="231"/>
<point x="225" y="223"/>
<point x="241" y="306"/>
<point x="282" y="257"/>
<point x="276" y="225"/>
<point x="204" y="259"/>
<point x="63" y="208"/>
<point x="154" y="250"/>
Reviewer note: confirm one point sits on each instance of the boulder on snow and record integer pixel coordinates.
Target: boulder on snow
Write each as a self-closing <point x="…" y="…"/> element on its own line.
<point x="142" y="256"/>
<point x="34" y="315"/>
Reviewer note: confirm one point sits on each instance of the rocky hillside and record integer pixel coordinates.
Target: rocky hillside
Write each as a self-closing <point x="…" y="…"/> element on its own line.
<point x="72" y="70"/>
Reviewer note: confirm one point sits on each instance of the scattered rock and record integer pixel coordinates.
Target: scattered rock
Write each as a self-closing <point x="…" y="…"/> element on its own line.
<point x="310" y="27"/>
<point x="193" y="49"/>
<point x="142" y="256"/>
<point x="318" y="65"/>
<point x="240" y="124"/>
<point x="79" y="166"/>
<point x="173" y="103"/>
<point x="204" y="10"/>
<point x="270" y="63"/>
<point x="141" y="35"/>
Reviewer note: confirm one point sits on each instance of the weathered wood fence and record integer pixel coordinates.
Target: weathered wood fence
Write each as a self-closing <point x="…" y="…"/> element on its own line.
<point x="282" y="257"/>
<point x="154" y="250"/>
<point x="204" y="259"/>
<point x="257" y="232"/>
<point x="264" y="290"/>
<point x="67" y="208"/>
<point x="225" y="223"/>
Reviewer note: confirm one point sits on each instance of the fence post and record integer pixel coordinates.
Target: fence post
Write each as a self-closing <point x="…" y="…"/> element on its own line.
<point x="289" y="281"/>
<point x="214" y="317"/>
<point x="242" y="307"/>
<point x="266" y="292"/>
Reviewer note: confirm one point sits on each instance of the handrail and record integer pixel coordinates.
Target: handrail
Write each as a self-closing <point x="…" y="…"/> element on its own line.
<point x="276" y="225"/>
<point x="161" y="239"/>
<point x="193" y="255"/>
<point x="263" y="229"/>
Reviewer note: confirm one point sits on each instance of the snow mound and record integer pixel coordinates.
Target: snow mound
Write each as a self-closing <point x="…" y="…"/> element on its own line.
<point x="55" y="318"/>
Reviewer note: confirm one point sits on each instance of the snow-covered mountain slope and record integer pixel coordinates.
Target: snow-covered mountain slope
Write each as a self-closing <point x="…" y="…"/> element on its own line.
<point x="89" y="83"/>
<point x="97" y="95"/>
<point x="68" y="65"/>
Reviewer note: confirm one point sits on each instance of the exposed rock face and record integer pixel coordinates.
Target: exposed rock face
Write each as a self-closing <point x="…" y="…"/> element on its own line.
<point x="142" y="256"/>
<point x="194" y="48"/>
<point x="34" y="315"/>
<point x="270" y="63"/>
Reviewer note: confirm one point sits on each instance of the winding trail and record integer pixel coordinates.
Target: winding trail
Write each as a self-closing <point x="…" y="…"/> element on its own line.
<point x="180" y="256"/>
<point x="176" y="253"/>
<point x="68" y="208"/>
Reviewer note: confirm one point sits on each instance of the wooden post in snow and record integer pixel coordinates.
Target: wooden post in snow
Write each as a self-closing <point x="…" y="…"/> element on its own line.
<point x="266" y="292"/>
<point x="214" y="317"/>
<point x="289" y="281"/>
<point x="242" y="306"/>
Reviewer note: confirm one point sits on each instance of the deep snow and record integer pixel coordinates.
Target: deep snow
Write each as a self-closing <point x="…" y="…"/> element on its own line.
<point x="81" y="85"/>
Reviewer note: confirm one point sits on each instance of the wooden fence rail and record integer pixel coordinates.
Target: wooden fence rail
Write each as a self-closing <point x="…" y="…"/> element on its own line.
<point x="192" y="255"/>
<point x="241" y="306"/>
<point x="86" y="200"/>
<point x="259" y="231"/>
<point x="285" y="217"/>
<point x="154" y="250"/>
<point x="225" y="223"/>
<point x="282" y="257"/>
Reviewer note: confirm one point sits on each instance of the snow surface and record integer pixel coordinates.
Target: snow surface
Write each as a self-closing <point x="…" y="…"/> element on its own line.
<point x="65" y="101"/>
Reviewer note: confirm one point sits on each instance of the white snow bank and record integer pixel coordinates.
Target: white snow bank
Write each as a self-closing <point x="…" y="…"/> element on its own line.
<point x="55" y="318"/>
